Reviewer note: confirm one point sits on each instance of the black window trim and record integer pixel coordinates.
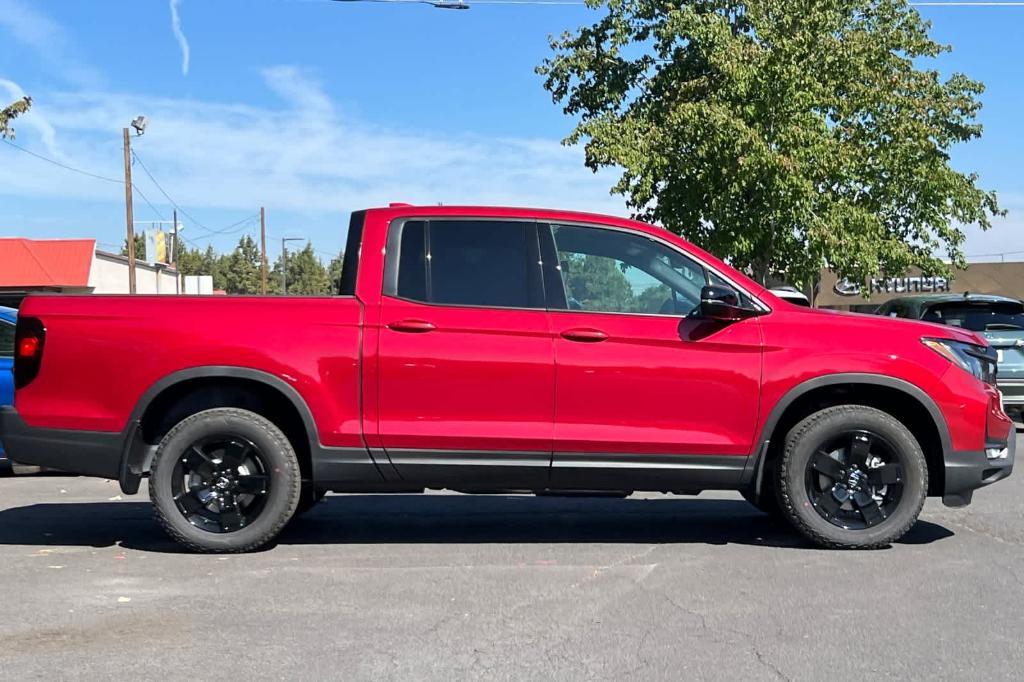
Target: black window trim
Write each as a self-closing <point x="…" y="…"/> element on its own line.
<point x="350" y="263"/>
<point x="13" y="326"/>
<point x="542" y="231"/>
<point x="393" y="252"/>
<point x="544" y="227"/>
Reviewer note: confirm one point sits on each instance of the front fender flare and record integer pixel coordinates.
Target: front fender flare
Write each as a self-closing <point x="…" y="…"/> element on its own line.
<point x="754" y="472"/>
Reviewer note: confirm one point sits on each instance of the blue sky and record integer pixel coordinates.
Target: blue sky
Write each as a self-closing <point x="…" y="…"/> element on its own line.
<point x="313" y="108"/>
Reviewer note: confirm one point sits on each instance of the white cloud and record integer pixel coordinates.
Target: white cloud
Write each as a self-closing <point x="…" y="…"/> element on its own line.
<point x="179" y="35"/>
<point x="304" y="155"/>
<point x="48" y="40"/>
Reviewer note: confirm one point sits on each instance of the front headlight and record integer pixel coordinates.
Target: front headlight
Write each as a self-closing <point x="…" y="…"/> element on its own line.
<point x="978" y="360"/>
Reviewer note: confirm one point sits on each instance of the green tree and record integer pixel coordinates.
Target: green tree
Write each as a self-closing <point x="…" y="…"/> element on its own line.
<point x="189" y="261"/>
<point x="334" y="271"/>
<point x="11" y="112"/>
<point x="241" y="268"/>
<point x="307" y="275"/>
<point x="783" y="135"/>
<point x="140" y="246"/>
<point x="597" y="283"/>
<point x="651" y="299"/>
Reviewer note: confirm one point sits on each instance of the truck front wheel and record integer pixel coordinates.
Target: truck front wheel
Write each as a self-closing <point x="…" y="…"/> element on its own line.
<point x="224" y="480"/>
<point x="852" y="477"/>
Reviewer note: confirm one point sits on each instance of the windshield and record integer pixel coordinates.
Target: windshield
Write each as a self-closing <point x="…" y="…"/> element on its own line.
<point x="978" y="317"/>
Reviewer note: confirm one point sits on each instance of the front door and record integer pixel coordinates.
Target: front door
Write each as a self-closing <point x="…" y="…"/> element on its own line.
<point x="466" y="359"/>
<point x="646" y="394"/>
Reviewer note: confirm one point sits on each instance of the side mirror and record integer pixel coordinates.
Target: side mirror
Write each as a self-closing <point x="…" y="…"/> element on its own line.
<point x="722" y="304"/>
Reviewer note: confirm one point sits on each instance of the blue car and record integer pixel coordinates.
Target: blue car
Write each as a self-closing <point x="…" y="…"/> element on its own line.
<point x="8" y="316"/>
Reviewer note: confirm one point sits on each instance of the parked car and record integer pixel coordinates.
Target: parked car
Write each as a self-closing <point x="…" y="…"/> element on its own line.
<point x="997" y="318"/>
<point x="792" y="295"/>
<point x="8" y="318"/>
<point x="489" y="350"/>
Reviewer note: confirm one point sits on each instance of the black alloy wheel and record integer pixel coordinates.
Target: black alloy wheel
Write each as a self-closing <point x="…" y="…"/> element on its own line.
<point x="855" y="480"/>
<point x="225" y="480"/>
<point x="220" y="483"/>
<point x="851" y="477"/>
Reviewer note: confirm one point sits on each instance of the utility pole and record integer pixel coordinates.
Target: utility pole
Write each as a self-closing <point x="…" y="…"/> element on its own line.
<point x="174" y="254"/>
<point x="284" y="267"/>
<point x="128" y="210"/>
<point x="263" y="251"/>
<point x="284" y="262"/>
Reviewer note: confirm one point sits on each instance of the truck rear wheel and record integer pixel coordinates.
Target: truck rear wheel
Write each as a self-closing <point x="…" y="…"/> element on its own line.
<point x="224" y="480"/>
<point x="852" y="477"/>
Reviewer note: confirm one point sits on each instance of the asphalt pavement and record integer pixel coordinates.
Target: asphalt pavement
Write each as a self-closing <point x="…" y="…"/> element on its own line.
<point x="447" y="586"/>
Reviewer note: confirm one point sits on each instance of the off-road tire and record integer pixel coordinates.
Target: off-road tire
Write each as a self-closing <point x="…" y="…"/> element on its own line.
<point x="803" y="440"/>
<point x="283" y="496"/>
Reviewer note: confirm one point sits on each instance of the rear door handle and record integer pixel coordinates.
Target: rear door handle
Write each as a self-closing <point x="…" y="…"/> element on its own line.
<point x="584" y="335"/>
<point x="412" y="326"/>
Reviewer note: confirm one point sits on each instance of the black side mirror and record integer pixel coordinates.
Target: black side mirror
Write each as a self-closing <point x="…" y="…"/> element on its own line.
<point x="722" y="304"/>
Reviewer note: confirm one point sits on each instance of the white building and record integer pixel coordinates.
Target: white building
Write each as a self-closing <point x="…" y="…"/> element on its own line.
<point x="109" y="275"/>
<point x="74" y="266"/>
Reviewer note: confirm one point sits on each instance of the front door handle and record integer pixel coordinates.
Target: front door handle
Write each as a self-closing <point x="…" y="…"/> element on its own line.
<point x="584" y="335"/>
<point x="412" y="326"/>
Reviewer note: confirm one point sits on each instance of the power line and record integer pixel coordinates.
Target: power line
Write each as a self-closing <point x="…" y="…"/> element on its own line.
<point x="63" y="165"/>
<point x="135" y="188"/>
<point x="182" y="210"/>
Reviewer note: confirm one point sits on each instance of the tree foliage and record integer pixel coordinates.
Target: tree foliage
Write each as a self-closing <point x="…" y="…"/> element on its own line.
<point x="238" y="272"/>
<point x="597" y="283"/>
<point x="240" y="269"/>
<point x="306" y="274"/>
<point x="11" y="112"/>
<point x="783" y="135"/>
<point x="334" y="271"/>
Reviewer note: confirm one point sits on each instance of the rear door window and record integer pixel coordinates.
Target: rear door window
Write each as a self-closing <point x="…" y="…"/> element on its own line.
<point x="483" y="263"/>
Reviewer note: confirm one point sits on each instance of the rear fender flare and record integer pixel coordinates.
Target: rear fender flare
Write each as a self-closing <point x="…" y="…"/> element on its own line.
<point x="137" y="453"/>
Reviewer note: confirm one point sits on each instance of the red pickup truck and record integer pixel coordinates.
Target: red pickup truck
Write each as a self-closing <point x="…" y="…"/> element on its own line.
<point x="489" y="350"/>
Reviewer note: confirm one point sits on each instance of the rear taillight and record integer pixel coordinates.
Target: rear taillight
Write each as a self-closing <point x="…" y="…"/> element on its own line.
<point x="29" y="337"/>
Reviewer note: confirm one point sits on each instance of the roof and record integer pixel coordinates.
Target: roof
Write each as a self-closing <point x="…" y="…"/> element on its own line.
<point x="956" y="298"/>
<point x="45" y="262"/>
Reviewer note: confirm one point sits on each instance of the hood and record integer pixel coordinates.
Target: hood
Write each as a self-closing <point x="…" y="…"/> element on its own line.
<point x="884" y="325"/>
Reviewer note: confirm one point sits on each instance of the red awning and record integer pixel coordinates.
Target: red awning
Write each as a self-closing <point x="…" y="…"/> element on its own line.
<point x="45" y="262"/>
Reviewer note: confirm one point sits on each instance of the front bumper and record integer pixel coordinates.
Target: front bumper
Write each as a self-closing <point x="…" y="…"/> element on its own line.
<point x="968" y="471"/>
<point x="88" y="453"/>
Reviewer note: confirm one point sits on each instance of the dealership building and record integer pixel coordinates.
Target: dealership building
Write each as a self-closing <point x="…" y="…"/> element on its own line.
<point x="74" y="266"/>
<point x="1004" y="279"/>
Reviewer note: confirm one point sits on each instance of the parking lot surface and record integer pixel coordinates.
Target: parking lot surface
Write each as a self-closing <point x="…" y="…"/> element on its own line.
<point x="448" y="586"/>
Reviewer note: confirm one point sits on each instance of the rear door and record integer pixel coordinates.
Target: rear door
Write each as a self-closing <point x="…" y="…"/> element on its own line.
<point x="645" y="394"/>
<point x="466" y="359"/>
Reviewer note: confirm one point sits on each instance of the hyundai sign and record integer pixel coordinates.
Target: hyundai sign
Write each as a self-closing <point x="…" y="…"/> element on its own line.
<point x="896" y="285"/>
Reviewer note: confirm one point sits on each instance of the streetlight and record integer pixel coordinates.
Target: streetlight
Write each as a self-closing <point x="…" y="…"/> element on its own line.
<point x="284" y="262"/>
<point x="139" y="124"/>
